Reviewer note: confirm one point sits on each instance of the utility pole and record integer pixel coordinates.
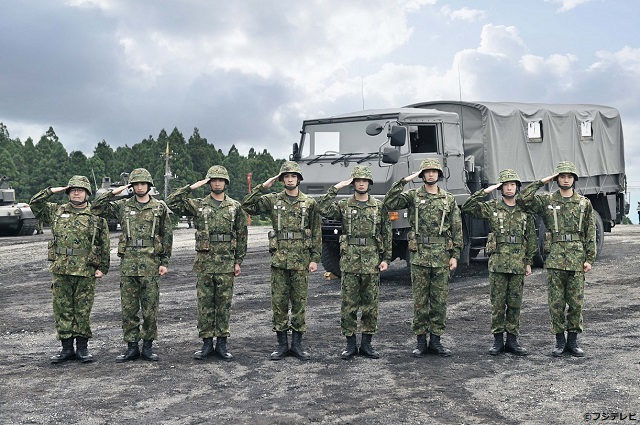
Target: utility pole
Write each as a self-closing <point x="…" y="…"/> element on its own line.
<point x="167" y="171"/>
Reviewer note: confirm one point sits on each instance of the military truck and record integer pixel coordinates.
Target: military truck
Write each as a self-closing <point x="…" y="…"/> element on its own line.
<point x="16" y="218"/>
<point x="474" y="141"/>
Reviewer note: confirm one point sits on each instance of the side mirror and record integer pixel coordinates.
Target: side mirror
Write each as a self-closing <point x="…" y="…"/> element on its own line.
<point x="296" y="152"/>
<point x="374" y="129"/>
<point x="398" y="136"/>
<point x="390" y="155"/>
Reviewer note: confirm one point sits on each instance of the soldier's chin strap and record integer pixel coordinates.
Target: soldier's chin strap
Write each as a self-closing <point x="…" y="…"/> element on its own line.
<point x="428" y="182"/>
<point x="362" y="192"/>
<point x="219" y="191"/>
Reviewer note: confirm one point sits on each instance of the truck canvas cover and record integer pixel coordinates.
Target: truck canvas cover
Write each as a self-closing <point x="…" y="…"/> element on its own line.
<point x="532" y="138"/>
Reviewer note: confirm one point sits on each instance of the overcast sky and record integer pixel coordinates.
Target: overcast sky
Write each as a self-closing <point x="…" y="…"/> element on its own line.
<point x="248" y="72"/>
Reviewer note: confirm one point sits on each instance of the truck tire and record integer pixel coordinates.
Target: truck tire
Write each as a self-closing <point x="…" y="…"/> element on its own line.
<point x="541" y="229"/>
<point x="599" y="234"/>
<point x="331" y="257"/>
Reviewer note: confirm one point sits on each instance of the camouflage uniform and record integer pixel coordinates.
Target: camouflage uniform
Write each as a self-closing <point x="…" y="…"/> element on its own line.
<point x="511" y="246"/>
<point x="294" y="242"/>
<point x="570" y="241"/>
<point x="221" y="243"/>
<point x="435" y="238"/>
<point x="365" y="242"/>
<point x="79" y="247"/>
<point x="144" y="246"/>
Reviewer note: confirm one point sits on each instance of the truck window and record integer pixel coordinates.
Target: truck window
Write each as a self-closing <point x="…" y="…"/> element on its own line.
<point x="586" y="131"/>
<point x="534" y="131"/>
<point x="423" y="139"/>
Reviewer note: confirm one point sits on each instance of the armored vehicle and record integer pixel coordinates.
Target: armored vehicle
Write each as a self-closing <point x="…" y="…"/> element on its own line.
<point x="16" y="218"/>
<point x="474" y="141"/>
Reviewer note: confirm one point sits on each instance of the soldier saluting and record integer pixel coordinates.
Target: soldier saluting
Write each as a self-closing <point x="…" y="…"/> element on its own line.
<point x="365" y="248"/>
<point x="511" y="246"/>
<point x="79" y="254"/>
<point x="221" y="245"/>
<point x="295" y="244"/>
<point x="571" y="246"/>
<point x="144" y="249"/>
<point x="434" y="244"/>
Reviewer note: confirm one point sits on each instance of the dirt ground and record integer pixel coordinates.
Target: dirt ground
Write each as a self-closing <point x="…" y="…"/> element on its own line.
<point x="470" y="387"/>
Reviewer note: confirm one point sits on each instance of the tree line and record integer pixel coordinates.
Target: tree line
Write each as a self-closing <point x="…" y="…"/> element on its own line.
<point x="32" y="167"/>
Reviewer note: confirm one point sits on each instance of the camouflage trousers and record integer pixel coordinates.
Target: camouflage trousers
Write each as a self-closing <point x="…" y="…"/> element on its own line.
<point x="565" y="288"/>
<point x="72" y="303"/>
<point x="505" y="292"/>
<point x="215" y="291"/>
<point x="139" y="294"/>
<point x="359" y="291"/>
<point x="289" y="286"/>
<point x="430" y="287"/>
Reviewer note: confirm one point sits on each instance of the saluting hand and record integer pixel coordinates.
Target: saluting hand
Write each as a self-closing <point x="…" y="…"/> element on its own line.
<point x="343" y="183"/>
<point x="59" y="189"/>
<point x="492" y="187"/>
<point x="198" y="184"/>
<point x="270" y="182"/>
<point x="119" y="190"/>
<point x="412" y="176"/>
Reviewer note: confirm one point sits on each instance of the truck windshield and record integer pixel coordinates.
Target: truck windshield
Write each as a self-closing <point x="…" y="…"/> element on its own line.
<point x="332" y="140"/>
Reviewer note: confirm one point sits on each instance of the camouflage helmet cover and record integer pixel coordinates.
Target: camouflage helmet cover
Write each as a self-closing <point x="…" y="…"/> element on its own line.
<point x="566" y="167"/>
<point x="140" y="175"/>
<point x="218" y="172"/>
<point x="290" y="167"/>
<point x="431" y="164"/>
<point x="362" y="172"/>
<point x="509" y="175"/>
<point x="81" y="182"/>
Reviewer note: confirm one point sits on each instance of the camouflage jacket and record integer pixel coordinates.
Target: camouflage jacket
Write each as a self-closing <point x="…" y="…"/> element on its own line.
<point x="296" y="239"/>
<point x="147" y="233"/>
<point x="514" y="240"/>
<point x="366" y="231"/>
<point x="436" y="225"/>
<point x="221" y="230"/>
<point x="571" y="225"/>
<point x="80" y="243"/>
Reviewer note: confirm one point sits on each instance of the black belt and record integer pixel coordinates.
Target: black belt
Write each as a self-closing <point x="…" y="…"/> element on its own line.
<point x="431" y="239"/>
<point x="290" y="235"/>
<point x="219" y="237"/>
<point x="360" y="241"/>
<point x="570" y="237"/>
<point x="140" y="242"/>
<point x="509" y="239"/>
<point x="72" y="251"/>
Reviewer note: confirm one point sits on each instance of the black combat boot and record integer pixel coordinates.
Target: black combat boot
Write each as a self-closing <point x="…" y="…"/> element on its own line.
<point x="514" y="347"/>
<point x="366" y="349"/>
<point x="283" y="346"/>
<point x="561" y="345"/>
<point x="131" y="353"/>
<point x="498" y="344"/>
<point x="147" y="351"/>
<point x="421" y="346"/>
<point x="296" y="346"/>
<point x="82" y="349"/>
<point x="221" y="348"/>
<point x="572" y="345"/>
<point x="66" y="353"/>
<point x="435" y="347"/>
<point x="206" y="350"/>
<point x="351" y="349"/>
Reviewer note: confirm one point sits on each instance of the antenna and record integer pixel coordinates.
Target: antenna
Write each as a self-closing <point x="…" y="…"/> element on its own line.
<point x="460" y="103"/>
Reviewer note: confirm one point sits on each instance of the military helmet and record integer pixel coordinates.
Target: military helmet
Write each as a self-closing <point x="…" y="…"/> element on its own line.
<point x="218" y="172"/>
<point x="431" y="164"/>
<point x="362" y="172"/>
<point x="509" y="175"/>
<point x="290" y="167"/>
<point x="140" y="175"/>
<point x="81" y="182"/>
<point x="566" y="167"/>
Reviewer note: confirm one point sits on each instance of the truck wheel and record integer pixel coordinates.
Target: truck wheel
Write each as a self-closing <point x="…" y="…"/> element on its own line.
<point x="331" y="257"/>
<point x="27" y="227"/>
<point x="541" y="229"/>
<point x="599" y="233"/>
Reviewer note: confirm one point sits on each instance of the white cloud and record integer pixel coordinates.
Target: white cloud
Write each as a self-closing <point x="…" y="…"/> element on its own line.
<point x="567" y="5"/>
<point x="464" y="14"/>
